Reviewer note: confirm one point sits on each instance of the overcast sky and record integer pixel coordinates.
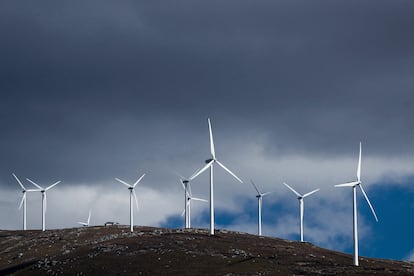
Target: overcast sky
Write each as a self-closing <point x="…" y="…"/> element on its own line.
<point x="92" y="90"/>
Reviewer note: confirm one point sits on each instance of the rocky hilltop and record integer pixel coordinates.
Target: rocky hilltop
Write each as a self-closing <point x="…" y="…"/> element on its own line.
<point x="154" y="251"/>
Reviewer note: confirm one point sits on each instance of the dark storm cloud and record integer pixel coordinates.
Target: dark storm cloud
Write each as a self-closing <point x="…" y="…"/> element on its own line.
<point x="90" y="87"/>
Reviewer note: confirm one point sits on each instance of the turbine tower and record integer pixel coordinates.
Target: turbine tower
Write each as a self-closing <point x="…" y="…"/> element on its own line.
<point x="131" y="194"/>
<point x="23" y="201"/>
<point x="301" y="206"/>
<point x="209" y="164"/>
<point x="259" y="207"/>
<point x="354" y="186"/>
<point x="86" y="224"/>
<point x="44" y="199"/>
<point x="188" y="197"/>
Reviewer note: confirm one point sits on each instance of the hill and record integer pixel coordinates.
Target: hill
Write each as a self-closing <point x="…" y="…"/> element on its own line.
<point x="148" y="251"/>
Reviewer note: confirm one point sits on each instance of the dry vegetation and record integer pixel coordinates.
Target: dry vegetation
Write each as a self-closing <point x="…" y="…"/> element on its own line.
<point x="149" y="251"/>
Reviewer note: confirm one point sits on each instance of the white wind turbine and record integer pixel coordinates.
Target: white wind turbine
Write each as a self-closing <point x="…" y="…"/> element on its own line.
<point x="87" y="222"/>
<point x="131" y="194"/>
<point x="186" y="185"/>
<point x="188" y="197"/>
<point x="23" y="201"/>
<point x="301" y="206"/>
<point x="210" y="162"/>
<point x="44" y="199"/>
<point x="354" y="185"/>
<point x="259" y="207"/>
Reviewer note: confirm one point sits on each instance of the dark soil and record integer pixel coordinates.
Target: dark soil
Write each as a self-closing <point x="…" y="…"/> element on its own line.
<point x="154" y="251"/>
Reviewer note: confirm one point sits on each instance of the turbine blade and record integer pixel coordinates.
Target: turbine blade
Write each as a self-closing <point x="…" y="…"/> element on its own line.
<point x="40" y="188"/>
<point x="182" y="183"/>
<point x="189" y="192"/>
<point x="369" y="203"/>
<point x="199" y="169"/>
<point x="202" y="170"/>
<point x="21" y="202"/>
<point x="308" y="194"/>
<point x="255" y="187"/>
<point x="183" y="212"/>
<point x="123" y="182"/>
<point x="199" y="199"/>
<point x="136" y="199"/>
<point x="359" y="163"/>
<point x="212" y="150"/>
<point x="349" y="184"/>
<point x="293" y="190"/>
<point x="265" y="194"/>
<point x="53" y="185"/>
<point x="135" y="184"/>
<point x="89" y="217"/>
<point x="33" y="190"/>
<point x="179" y="175"/>
<point x="18" y="181"/>
<point x="230" y="172"/>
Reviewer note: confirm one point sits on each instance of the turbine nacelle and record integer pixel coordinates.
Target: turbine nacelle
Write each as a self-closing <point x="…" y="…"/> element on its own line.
<point x="209" y="160"/>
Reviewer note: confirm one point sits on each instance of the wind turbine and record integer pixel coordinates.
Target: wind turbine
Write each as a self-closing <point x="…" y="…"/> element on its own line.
<point x="301" y="206"/>
<point x="188" y="197"/>
<point x="44" y="204"/>
<point x="131" y="194"/>
<point x="209" y="164"/>
<point x="23" y="201"/>
<point x="86" y="223"/>
<point x="185" y="182"/>
<point x="354" y="185"/>
<point x="259" y="207"/>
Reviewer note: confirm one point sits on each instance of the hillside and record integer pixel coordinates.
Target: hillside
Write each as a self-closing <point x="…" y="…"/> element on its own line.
<point x="115" y="251"/>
